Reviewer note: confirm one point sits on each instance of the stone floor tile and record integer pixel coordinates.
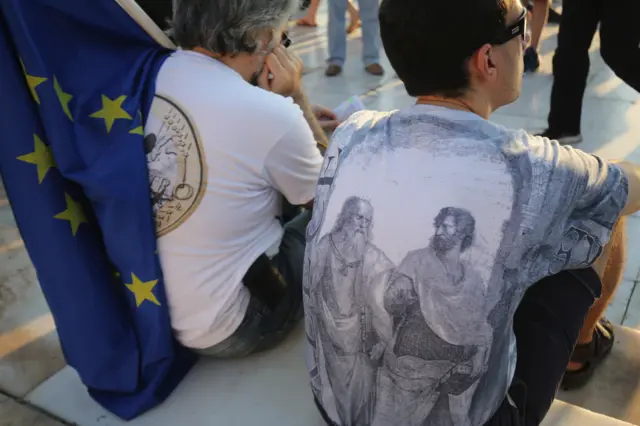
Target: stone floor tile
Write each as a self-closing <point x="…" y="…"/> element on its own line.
<point x="29" y="347"/>
<point x="13" y="413"/>
<point x="614" y="390"/>
<point x="618" y="306"/>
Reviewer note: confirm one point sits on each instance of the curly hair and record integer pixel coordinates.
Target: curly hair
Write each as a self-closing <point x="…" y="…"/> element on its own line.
<point x="465" y="224"/>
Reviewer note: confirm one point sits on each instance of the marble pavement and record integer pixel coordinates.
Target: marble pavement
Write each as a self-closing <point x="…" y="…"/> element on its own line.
<point x="29" y="349"/>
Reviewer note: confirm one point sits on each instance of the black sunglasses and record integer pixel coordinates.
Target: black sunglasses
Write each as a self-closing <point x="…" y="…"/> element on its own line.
<point x="518" y="28"/>
<point x="286" y="41"/>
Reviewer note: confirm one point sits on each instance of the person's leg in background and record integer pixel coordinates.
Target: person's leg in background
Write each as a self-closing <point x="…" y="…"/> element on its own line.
<point x="539" y="15"/>
<point x="337" y="37"/>
<point x="354" y="17"/>
<point x="370" y="36"/>
<point x="309" y="20"/>
<point x="596" y="336"/>
<point x="571" y="63"/>
<point x="549" y="322"/>
<point x="620" y="39"/>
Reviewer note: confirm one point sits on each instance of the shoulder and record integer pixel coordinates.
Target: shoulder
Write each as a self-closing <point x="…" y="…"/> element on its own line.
<point x="423" y="256"/>
<point x="359" y="122"/>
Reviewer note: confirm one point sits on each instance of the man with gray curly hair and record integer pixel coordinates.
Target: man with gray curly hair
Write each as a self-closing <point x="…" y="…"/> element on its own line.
<point x="230" y="134"/>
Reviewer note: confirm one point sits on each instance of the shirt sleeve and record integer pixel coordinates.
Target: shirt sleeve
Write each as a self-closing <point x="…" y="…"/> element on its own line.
<point x="579" y="200"/>
<point x="293" y="164"/>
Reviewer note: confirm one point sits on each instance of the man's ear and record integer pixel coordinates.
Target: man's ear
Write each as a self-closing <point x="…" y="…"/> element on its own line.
<point x="482" y="64"/>
<point x="265" y="40"/>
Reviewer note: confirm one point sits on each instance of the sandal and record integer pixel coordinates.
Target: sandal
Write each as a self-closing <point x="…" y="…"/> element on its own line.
<point x="591" y="355"/>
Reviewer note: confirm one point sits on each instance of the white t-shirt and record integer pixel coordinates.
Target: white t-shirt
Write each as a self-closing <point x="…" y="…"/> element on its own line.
<point x="428" y="226"/>
<point x="220" y="153"/>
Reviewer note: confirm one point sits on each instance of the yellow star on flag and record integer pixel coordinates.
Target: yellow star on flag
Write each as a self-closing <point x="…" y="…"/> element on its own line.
<point x="32" y="82"/>
<point x="142" y="290"/>
<point x="74" y="214"/>
<point x="63" y="97"/>
<point x="42" y="157"/>
<point x="138" y="130"/>
<point x="111" y="111"/>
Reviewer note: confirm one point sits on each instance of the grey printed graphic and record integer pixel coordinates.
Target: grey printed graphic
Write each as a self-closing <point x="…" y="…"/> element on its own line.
<point x="432" y="344"/>
<point x="352" y="330"/>
<point x="427" y="235"/>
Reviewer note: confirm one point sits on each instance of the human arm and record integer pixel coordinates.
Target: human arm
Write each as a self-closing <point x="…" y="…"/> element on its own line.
<point x="632" y="173"/>
<point x="314" y="115"/>
<point x="292" y="166"/>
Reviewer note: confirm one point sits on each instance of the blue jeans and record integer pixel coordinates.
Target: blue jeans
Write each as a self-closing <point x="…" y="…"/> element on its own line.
<point x="275" y="308"/>
<point x="338" y="35"/>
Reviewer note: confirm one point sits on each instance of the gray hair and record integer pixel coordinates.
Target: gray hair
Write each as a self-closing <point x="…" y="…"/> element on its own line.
<point x="228" y="27"/>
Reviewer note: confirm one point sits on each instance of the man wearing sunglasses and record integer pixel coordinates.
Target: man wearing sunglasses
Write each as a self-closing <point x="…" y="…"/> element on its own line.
<point x="230" y="135"/>
<point x="473" y="252"/>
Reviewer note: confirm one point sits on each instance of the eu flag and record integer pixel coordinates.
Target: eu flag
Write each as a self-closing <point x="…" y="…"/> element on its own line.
<point x="77" y="78"/>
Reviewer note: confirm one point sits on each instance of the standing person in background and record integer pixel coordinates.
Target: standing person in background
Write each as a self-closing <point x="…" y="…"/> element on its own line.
<point x="619" y="47"/>
<point x="338" y="38"/>
<point x="309" y="20"/>
<point x="539" y="16"/>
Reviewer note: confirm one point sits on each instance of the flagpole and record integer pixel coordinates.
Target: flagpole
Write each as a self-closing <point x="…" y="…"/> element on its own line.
<point x="141" y="17"/>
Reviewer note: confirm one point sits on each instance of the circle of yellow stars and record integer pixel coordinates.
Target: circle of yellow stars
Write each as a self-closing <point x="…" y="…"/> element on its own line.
<point x="42" y="158"/>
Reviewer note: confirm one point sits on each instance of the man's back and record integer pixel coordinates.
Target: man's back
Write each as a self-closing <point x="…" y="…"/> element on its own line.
<point x="470" y="214"/>
<point x="217" y="152"/>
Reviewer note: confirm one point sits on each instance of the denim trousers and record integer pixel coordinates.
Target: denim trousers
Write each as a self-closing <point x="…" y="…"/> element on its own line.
<point x="370" y="31"/>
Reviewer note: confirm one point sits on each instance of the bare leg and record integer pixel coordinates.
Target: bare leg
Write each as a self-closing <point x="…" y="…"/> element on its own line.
<point x="610" y="267"/>
<point x="354" y="18"/>
<point x="309" y="20"/>
<point x="539" y="19"/>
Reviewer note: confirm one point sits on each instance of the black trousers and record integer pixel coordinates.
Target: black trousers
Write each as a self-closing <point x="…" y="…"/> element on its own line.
<point x="546" y="324"/>
<point x="160" y="11"/>
<point x="619" y="47"/>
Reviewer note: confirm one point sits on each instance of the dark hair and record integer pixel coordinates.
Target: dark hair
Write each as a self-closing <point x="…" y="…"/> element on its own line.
<point x="429" y="42"/>
<point x="465" y="224"/>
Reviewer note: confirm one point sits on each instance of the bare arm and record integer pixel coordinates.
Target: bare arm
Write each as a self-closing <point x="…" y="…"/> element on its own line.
<point x="632" y="172"/>
<point x="318" y="132"/>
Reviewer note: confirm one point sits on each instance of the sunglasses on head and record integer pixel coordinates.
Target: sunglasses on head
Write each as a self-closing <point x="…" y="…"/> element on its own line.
<point x="286" y="41"/>
<point x="518" y="28"/>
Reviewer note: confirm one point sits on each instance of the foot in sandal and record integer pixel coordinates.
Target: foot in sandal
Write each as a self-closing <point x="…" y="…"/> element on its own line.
<point x="587" y="357"/>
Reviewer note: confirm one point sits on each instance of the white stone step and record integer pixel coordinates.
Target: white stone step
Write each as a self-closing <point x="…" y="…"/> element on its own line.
<point x="562" y="414"/>
<point x="267" y="390"/>
<point x="615" y="387"/>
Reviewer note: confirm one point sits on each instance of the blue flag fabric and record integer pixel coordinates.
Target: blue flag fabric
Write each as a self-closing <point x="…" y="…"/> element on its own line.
<point x="77" y="78"/>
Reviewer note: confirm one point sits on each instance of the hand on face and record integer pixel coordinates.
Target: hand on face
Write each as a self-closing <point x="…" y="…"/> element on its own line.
<point x="282" y="73"/>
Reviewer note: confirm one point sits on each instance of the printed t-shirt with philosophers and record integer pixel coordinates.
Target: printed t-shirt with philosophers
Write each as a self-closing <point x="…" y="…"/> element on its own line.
<point x="429" y="224"/>
<point x="221" y="153"/>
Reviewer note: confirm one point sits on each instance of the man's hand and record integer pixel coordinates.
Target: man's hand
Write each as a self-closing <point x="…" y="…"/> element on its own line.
<point x="326" y="118"/>
<point x="282" y="73"/>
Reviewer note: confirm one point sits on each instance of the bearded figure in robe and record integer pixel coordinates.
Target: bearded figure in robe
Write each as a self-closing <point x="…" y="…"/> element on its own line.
<point x="348" y="275"/>
<point x="441" y="338"/>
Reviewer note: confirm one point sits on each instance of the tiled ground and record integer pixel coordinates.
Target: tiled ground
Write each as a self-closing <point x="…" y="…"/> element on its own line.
<point x="29" y="350"/>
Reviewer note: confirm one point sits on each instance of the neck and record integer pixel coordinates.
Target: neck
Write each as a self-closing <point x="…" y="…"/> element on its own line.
<point x="470" y="104"/>
<point x="242" y="63"/>
<point x="451" y="260"/>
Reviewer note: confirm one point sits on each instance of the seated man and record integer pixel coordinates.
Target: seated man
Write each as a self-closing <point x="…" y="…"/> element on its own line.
<point x="222" y="153"/>
<point x="450" y="261"/>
